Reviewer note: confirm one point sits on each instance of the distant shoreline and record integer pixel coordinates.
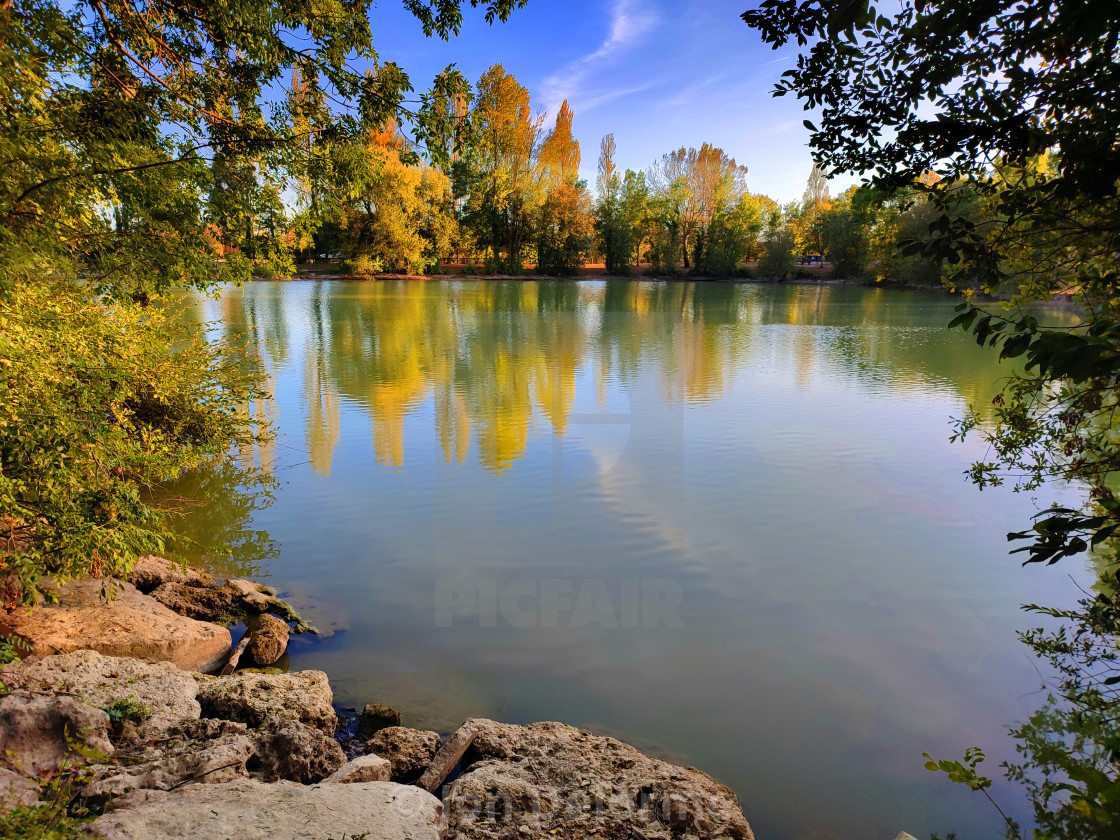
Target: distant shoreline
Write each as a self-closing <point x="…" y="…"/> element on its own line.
<point x="1063" y="302"/>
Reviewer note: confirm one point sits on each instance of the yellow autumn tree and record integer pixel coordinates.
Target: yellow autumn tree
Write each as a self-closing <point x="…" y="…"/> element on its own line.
<point x="397" y="216"/>
<point x="564" y="223"/>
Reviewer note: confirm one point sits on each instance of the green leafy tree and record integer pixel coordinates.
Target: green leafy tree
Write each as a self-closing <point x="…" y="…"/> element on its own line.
<point x="780" y="243"/>
<point x="614" y="234"/>
<point x="694" y="185"/>
<point x="635" y="214"/>
<point x="730" y="236"/>
<point x="498" y="181"/>
<point x="112" y="113"/>
<point x="564" y="230"/>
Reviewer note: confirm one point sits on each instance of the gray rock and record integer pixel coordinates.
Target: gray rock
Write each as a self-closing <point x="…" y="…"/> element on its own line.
<point x="410" y="751"/>
<point x="199" y="751"/>
<point x="167" y="692"/>
<point x="132" y="624"/>
<point x="249" y="810"/>
<point x="16" y="791"/>
<point x="375" y="717"/>
<point x="364" y="768"/>
<point x="268" y="639"/>
<point x="298" y="753"/>
<point x="210" y="751"/>
<point x="270" y="699"/>
<point x="549" y="777"/>
<point x="151" y="571"/>
<point x="39" y="734"/>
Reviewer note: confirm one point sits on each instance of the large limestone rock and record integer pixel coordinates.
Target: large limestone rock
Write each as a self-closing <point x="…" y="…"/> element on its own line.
<point x="249" y="810"/>
<point x="39" y="733"/>
<point x="409" y="751"/>
<point x="270" y="699"/>
<point x="530" y="781"/>
<point x="298" y="753"/>
<point x="210" y="751"/>
<point x="133" y="624"/>
<point x="151" y="571"/>
<point x="165" y="691"/>
<point x="198" y="751"/>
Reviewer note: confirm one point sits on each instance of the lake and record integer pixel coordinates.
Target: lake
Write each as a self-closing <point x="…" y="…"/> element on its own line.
<point x="723" y="522"/>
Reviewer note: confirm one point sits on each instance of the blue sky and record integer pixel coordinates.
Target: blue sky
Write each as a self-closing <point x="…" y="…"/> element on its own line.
<point x="659" y="74"/>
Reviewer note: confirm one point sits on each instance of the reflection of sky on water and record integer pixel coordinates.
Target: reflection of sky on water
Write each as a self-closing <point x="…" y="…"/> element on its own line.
<point x="778" y="454"/>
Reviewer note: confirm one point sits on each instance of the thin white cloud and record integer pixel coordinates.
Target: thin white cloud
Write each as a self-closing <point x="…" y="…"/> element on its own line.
<point x="745" y="79"/>
<point x="631" y="22"/>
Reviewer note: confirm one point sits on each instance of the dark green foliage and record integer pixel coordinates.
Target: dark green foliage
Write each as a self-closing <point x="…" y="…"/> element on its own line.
<point x="563" y="232"/>
<point x="778" y="264"/>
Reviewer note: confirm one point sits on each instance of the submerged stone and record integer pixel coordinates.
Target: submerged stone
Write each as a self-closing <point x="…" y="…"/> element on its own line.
<point x="375" y="717"/>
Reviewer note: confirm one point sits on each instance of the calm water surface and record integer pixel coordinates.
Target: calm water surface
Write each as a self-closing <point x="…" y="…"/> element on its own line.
<point x="722" y="522"/>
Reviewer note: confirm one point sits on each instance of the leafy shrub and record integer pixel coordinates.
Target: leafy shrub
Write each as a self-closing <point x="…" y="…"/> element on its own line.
<point x="265" y="272"/>
<point x="10" y="647"/>
<point x="43" y="822"/>
<point x="470" y="270"/>
<point x="365" y="265"/>
<point x="99" y="402"/>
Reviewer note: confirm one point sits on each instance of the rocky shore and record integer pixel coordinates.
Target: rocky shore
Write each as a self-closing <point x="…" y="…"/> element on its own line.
<point x="136" y="703"/>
